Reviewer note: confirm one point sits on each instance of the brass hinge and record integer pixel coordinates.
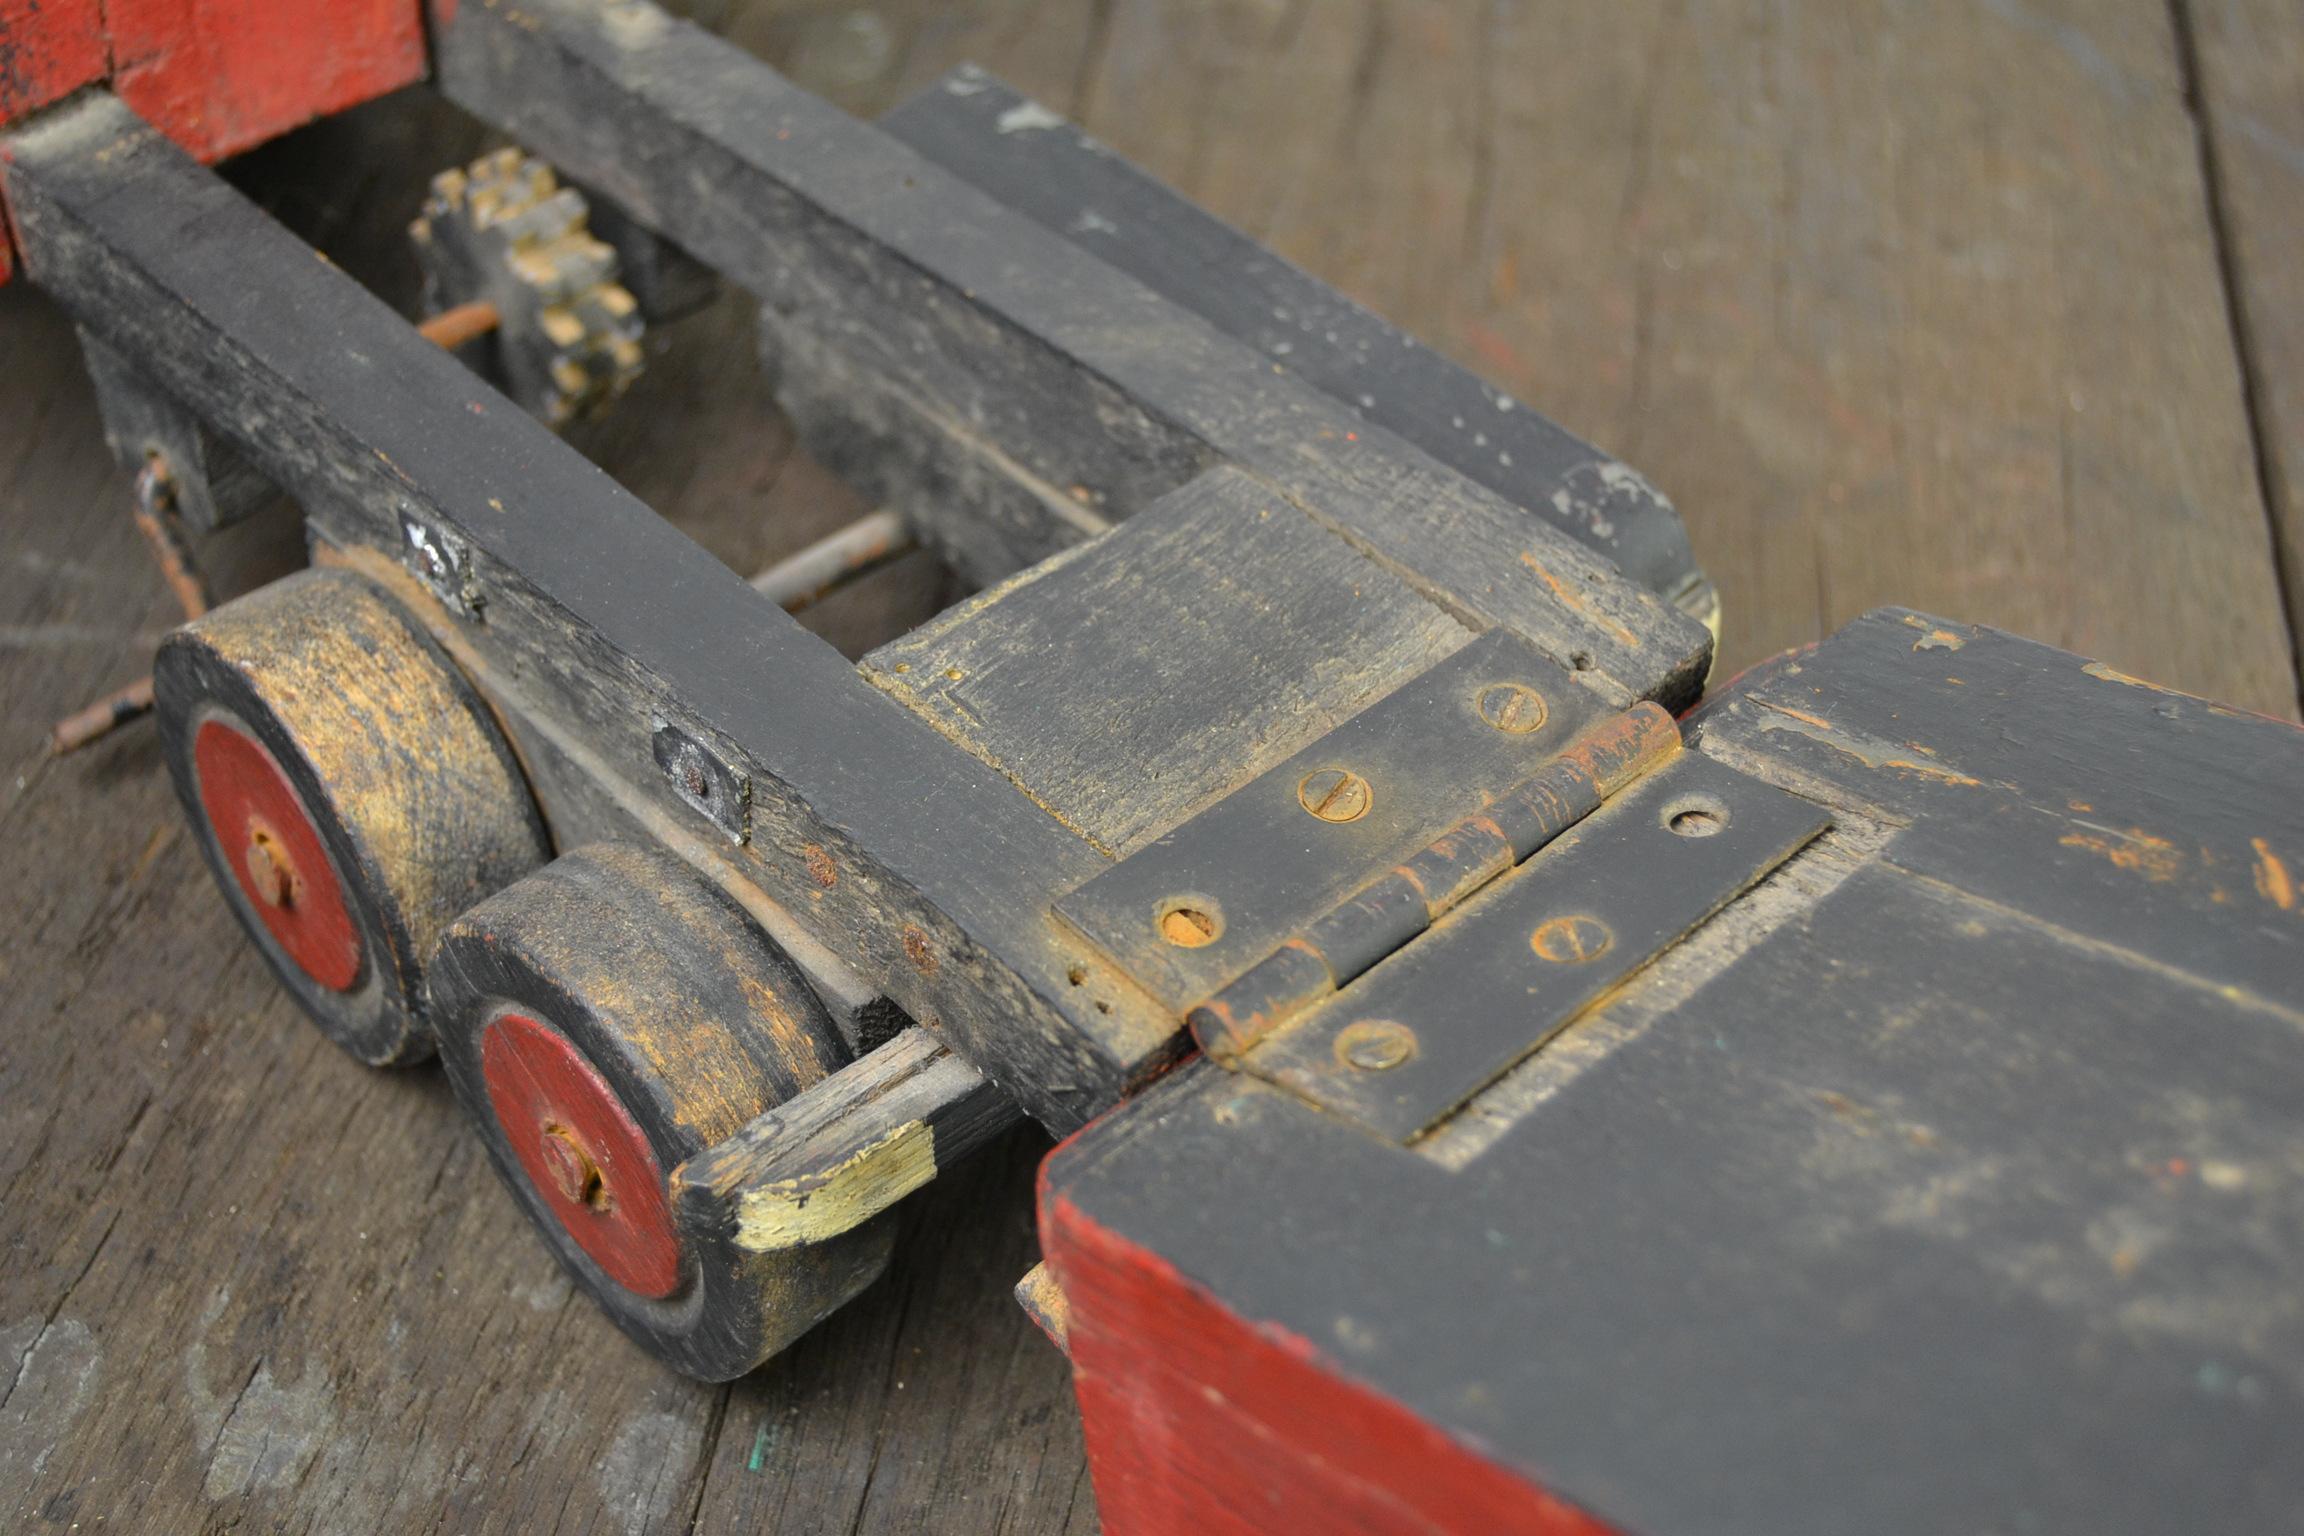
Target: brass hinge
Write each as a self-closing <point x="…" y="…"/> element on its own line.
<point x="1287" y="923"/>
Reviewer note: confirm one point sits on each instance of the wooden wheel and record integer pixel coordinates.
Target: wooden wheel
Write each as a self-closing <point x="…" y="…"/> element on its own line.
<point x="604" y="1021"/>
<point x="350" y="791"/>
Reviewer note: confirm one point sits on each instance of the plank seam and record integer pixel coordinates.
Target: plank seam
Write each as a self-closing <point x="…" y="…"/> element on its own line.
<point x="2286" y="572"/>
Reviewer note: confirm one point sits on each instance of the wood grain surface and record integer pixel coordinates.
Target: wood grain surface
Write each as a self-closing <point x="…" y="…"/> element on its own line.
<point x="2248" y="83"/>
<point x="1964" y="306"/>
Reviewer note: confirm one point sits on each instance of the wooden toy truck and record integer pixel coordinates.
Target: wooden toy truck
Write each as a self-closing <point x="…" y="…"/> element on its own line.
<point x="1504" y="1088"/>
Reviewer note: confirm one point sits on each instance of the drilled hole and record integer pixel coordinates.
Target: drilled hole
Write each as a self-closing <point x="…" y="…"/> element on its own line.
<point x="1078" y="975"/>
<point x="1696" y="818"/>
<point x="1190" y="927"/>
<point x="1581" y="661"/>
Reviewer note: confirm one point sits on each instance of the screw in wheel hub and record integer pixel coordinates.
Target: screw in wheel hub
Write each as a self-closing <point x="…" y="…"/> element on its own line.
<point x="277" y="858"/>
<point x="585" y="1156"/>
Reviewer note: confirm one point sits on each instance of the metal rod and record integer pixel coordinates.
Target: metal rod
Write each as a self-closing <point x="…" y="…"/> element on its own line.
<point x="871" y="541"/>
<point x="451" y="328"/>
<point x="155" y="514"/>
<point x="101" y="718"/>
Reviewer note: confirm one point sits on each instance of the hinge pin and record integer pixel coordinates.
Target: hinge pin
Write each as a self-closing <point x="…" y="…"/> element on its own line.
<point x="1390" y="910"/>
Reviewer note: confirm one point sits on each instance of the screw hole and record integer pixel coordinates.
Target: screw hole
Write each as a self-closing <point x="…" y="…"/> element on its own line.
<point x="1190" y="927"/>
<point x="1077" y="975"/>
<point x="1696" y="818"/>
<point x="1581" y="661"/>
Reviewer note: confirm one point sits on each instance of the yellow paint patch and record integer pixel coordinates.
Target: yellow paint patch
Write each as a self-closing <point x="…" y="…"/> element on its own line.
<point x="2097" y="669"/>
<point x="1575" y="604"/>
<point x="1871" y="751"/>
<point x="1933" y="637"/>
<point x="2135" y="850"/>
<point x="2273" y="881"/>
<point x="1928" y="771"/>
<point x="791" y="1213"/>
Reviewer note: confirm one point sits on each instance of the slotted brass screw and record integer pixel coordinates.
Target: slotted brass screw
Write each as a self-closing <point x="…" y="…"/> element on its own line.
<point x="1514" y="708"/>
<point x="1375" y="1045"/>
<point x="1571" y="940"/>
<point x="1335" y="794"/>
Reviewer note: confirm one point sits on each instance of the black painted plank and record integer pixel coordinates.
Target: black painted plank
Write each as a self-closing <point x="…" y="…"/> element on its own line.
<point x="2167" y="824"/>
<point x="983" y="130"/>
<point x="1918" y="1219"/>
<point x="612" y="619"/>
<point x="1893" y="1207"/>
<point x="1151" y="670"/>
<point x="1072" y="372"/>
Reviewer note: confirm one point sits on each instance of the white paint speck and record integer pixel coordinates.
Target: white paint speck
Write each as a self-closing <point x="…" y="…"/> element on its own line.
<point x="1027" y="115"/>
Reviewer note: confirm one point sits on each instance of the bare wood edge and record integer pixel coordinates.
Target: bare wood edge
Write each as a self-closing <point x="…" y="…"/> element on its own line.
<point x="845" y="1150"/>
<point x="1044" y="1302"/>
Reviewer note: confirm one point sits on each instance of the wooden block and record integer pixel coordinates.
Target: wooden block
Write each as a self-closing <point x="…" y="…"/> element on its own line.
<point x="830" y="1159"/>
<point x="1932" y="1178"/>
<point x="1025" y="155"/>
<point x="1062" y="366"/>
<point x="1127" y="682"/>
<point x="2165" y="823"/>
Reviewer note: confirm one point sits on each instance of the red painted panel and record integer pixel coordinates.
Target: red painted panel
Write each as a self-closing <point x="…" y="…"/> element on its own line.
<point x="48" y="49"/>
<point x="1203" y="1423"/>
<point x="276" y="854"/>
<point x="217" y="76"/>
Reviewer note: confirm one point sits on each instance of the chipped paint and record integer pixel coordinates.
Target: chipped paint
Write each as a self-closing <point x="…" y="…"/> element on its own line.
<point x="2133" y="849"/>
<point x="1871" y="751"/>
<point x="1933" y="637"/>
<point x="1567" y="596"/>
<point x="2273" y="881"/>
<point x="1817" y="721"/>
<point x="791" y="1213"/>
<point x="2099" y="670"/>
<point x="1026" y="116"/>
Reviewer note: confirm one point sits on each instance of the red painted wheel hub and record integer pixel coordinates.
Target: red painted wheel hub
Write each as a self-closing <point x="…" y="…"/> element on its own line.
<point x="583" y="1152"/>
<point x="268" y="838"/>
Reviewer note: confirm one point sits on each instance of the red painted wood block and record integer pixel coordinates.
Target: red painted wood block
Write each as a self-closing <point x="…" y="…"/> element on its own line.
<point x="217" y="76"/>
<point x="48" y="49"/>
<point x="1202" y="1421"/>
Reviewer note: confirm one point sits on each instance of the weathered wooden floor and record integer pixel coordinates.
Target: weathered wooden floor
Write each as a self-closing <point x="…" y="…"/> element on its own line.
<point x="1987" y="306"/>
